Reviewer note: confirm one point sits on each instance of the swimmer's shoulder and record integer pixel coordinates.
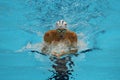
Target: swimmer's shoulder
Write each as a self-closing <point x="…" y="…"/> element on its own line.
<point x="48" y="37"/>
<point x="72" y="36"/>
<point x="50" y="32"/>
<point x="71" y="33"/>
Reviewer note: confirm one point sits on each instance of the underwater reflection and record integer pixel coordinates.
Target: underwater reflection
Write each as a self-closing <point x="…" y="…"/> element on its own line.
<point x="62" y="68"/>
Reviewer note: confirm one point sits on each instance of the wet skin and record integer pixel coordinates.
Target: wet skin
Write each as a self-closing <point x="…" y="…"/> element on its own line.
<point x="57" y="36"/>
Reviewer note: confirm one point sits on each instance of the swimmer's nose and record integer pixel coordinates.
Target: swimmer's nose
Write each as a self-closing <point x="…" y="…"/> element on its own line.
<point x="61" y="36"/>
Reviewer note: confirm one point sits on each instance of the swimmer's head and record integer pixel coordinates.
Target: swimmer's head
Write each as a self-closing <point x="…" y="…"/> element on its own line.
<point x="61" y="28"/>
<point x="61" y="24"/>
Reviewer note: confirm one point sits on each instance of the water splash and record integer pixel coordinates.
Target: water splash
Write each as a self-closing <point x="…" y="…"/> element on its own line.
<point x="58" y="48"/>
<point x="83" y="17"/>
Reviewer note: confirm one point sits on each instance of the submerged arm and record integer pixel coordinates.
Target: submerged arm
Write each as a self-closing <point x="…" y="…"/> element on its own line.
<point x="47" y="40"/>
<point x="45" y="49"/>
<point x="72" y="48"/>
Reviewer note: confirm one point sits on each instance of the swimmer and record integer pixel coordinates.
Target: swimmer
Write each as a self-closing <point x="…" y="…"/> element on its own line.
<point x="60" y="35"/>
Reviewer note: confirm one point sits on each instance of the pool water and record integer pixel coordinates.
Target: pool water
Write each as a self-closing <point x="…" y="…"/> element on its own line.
<point x="22" y="27"/>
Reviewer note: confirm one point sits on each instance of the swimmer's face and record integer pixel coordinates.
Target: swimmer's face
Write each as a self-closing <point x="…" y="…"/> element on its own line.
<point x="61" y="31"/>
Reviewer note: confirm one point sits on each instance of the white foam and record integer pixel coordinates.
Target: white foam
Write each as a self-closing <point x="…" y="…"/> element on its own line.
<point x="82" y="45"/>
<point x="30" y="47"/>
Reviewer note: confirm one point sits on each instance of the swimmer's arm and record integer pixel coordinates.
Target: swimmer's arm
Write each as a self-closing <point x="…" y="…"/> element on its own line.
<point x="47" y="40"/>
<point x="72" y="48"/>
<point x="65" y="53"/>
<point x="45" y="49"/>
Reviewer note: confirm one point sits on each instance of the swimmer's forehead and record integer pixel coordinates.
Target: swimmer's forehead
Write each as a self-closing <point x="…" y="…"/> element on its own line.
<point x="61" y="24"/>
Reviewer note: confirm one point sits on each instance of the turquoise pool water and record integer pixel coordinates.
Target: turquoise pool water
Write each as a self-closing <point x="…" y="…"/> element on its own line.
<point x="24" y="22"/>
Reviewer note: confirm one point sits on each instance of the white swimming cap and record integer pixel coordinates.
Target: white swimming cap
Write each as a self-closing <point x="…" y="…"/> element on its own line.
<point x="61" y="24"/>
